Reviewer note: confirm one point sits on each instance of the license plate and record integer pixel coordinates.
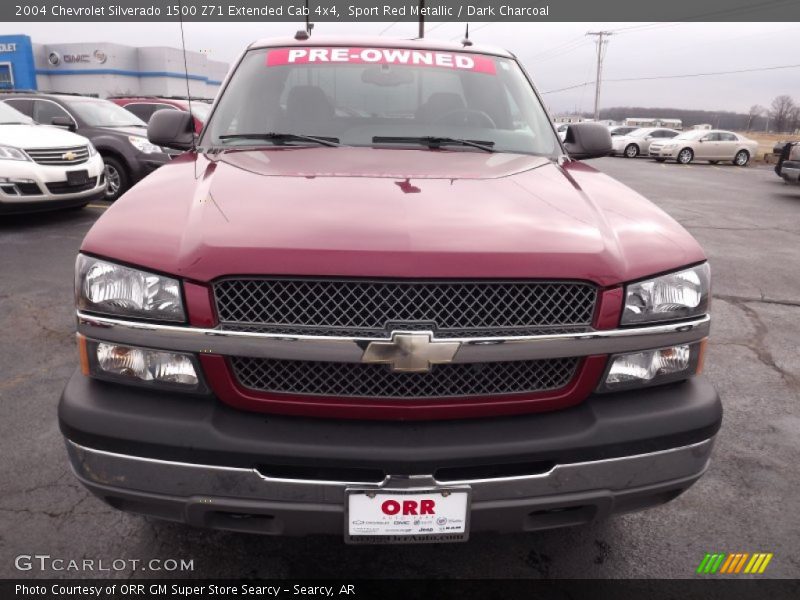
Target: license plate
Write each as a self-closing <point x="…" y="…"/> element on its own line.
<point x="407" y="516"/>
<point x="77" y="177"/>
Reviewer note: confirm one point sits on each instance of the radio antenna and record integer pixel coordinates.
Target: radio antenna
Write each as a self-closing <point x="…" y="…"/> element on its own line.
<point x="466" y="41"/>
<point x="186" y="73"/>
<point x="304" y="34"/>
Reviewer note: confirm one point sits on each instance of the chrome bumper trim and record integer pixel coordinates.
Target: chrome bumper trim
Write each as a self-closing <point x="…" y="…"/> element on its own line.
<point x="177" y="479"/>
<point x="345" y="349"/>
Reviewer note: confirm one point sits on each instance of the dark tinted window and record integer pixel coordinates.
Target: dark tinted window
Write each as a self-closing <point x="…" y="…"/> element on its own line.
<point x="23" y="105"/>
<point x="728" y="137"/>
<point x="143" y="111"/>
<point x="44" y="111"/>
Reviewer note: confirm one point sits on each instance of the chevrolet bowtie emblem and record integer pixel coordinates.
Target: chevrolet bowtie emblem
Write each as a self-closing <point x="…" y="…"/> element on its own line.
<point x="410" y="352"/>
<point x="69" y="155"/>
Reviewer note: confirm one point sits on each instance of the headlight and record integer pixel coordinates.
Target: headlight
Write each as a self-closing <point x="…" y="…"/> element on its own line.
<point x="140" y="366"/>
<point x="109" y="288"/>
<point x="11" y="153"/>
<point x="653" y="367"/>
<point x="678" y="295"/>
<point x="143" y="145"/>
<point x="92" y="149"/>
<point x="669" y="146"/>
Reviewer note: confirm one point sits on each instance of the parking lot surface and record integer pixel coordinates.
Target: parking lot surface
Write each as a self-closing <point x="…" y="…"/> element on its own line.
<point x="749" y="225"/>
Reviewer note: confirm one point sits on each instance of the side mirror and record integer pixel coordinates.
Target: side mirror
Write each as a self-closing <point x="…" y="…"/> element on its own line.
<point x="65" y="122"/>
<point x="171" y="129"/>
<point x="588" y="140"/>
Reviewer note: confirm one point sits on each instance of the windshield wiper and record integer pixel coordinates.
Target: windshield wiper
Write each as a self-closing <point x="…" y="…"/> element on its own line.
<point x="433" y="141"/>
<point x="282" y="138"/>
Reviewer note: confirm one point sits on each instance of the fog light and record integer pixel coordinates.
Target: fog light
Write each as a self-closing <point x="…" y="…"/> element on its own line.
<point x="142" y="366"/>
<point x="653" y="367"/>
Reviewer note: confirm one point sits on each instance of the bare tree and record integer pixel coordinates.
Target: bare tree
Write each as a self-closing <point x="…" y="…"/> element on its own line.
<point x="781" y="112"/>
<point x="755" y="111"/>
<point x="794" y="120"/>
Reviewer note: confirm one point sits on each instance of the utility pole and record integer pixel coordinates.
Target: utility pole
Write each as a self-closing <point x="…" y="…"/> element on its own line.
<point x="421" y="19"/>
<point x="601" y="52"/>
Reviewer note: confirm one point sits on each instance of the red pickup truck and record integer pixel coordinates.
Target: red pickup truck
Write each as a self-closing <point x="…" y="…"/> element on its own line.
<point x="378" y="298"/>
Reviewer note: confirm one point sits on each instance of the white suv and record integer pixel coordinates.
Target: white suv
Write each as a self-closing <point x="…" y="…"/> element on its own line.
<point x="44" y="167"/>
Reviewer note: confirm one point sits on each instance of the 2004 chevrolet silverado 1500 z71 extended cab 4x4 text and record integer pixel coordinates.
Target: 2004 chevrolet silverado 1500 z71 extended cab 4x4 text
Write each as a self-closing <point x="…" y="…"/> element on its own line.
<point x="380" y="299"/>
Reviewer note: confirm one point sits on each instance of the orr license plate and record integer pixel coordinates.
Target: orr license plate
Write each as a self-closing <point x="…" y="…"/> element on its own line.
<point x="407" y="516"/>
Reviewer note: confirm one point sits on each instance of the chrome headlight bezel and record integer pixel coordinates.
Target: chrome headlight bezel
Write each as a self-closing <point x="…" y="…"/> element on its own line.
<point x="93" y="350"/>
<point x="693" y="363"/>
<point x="142" y="144"/>
<point x="108" y="288"/>
<point x="12" y="153"/>
<point x="648" y="300"/>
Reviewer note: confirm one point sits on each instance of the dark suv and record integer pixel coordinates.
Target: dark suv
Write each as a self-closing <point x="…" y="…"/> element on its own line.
<point x="118" y="135"/>
<point x="144" y="107"/>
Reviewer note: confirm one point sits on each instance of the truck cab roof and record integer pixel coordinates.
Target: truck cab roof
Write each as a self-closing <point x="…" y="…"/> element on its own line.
<point x="380" y="42"/>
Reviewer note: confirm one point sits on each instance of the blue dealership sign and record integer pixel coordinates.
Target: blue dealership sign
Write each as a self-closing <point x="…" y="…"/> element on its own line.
<point x="17" y="67"/>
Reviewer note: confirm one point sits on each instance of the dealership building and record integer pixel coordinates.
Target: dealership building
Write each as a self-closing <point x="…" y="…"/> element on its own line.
<point x="106" y="69"/>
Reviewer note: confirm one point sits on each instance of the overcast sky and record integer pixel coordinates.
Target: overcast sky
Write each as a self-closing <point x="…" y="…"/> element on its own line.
<point x="557" y="55"/>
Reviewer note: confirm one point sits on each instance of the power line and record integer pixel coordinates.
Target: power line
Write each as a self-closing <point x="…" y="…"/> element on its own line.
<point x="707" y="74"/>
<point x="737" y="71"/>
<point x="388" y="27"/>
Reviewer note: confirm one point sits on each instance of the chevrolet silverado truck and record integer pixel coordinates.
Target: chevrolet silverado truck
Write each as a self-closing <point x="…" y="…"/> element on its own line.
<point x="378" y="298"/>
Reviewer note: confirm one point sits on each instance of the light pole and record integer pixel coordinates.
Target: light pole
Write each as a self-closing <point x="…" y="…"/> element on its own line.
<point x="601" y="51"/>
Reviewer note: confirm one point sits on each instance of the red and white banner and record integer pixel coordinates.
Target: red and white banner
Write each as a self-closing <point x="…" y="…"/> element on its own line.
<point x="458" y="61"/>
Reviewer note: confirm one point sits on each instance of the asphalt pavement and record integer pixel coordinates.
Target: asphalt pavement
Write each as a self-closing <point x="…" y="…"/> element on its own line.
<point x="749" y="500"/>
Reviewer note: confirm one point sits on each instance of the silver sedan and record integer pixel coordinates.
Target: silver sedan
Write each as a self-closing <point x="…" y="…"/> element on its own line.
<point x="712" y="145"/>
<point x="638" y="142"/>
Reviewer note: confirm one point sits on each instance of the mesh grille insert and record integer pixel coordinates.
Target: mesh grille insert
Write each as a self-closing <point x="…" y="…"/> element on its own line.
<point x="378" y="381"/>
<point x="362" y="308"/>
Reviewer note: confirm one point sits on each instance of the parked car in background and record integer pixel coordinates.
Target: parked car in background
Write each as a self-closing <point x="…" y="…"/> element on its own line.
<point x="144" y="107"/>
<point x="788" y="166"/>
<point x="619" y="130"/>
<point x="387" y="326"/>
<point x="45" y="168"/>
<point x="561" y="130"/>
<point x="638" y="141"/>
<point x="698" y="144"/>
<point x="118" y="135"/>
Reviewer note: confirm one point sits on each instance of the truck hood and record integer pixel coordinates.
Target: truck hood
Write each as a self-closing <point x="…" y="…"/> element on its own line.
<point x="389" y="213"/>
<point x="39" y="136"/>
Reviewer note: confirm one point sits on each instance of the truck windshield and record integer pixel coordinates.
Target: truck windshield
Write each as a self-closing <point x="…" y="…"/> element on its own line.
<point x="382" y="96"/>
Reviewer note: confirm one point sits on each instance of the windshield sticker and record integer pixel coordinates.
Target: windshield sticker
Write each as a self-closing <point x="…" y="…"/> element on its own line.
<point x="381" y="56"/>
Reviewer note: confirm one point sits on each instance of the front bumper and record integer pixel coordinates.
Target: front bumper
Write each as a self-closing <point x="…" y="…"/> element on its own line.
<point x="661" y="153"/>
<point x="32" y="187"/>
<point x="143" y="164"/>
<point x="196" y="460"/>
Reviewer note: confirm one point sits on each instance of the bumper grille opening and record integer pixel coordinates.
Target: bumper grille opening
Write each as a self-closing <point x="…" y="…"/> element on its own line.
<point x="372" y="308"/>
<point x="566" y="516"/>
<point x="378" y="381"/>
<point x="62" y="187"/>
<point x="249" y="522"/>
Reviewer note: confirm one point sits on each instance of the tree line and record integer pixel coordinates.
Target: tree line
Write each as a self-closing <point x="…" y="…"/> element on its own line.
<point x="782" y="116"/>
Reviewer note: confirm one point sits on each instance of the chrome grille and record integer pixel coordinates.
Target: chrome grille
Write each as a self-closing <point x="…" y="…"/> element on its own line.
<point x="373" y="308"/>
<point x="56" y="156"/>
<point x="360" y="380"/>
